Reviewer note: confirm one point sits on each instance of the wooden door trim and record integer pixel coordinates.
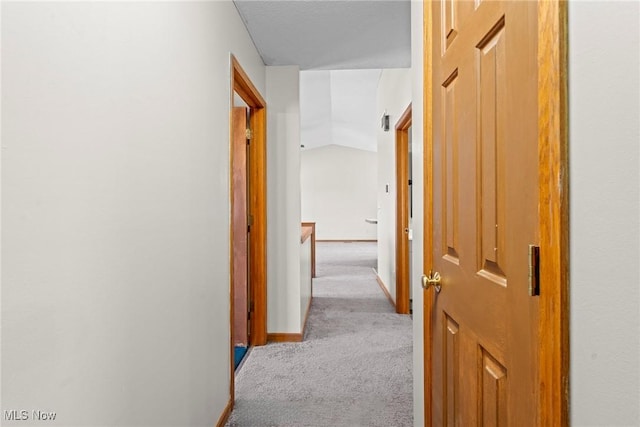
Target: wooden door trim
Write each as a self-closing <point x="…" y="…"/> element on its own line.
<point x="553" y="213"/>
<point x="553" y="372"/>
<point x="402" y="212"/>
<point x="427" y="303"/>
<point x="257" y="206"/>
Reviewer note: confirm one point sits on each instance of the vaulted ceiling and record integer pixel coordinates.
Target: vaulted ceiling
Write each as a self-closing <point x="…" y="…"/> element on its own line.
<point x="354" y="39"/>
<point x="339" y="107"/>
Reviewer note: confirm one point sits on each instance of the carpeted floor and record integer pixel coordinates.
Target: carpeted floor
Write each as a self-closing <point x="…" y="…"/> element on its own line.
<point x="354" y="367"/>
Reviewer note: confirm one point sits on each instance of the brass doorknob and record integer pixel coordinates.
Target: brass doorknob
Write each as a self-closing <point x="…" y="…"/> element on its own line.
<point x="433" y="279"/>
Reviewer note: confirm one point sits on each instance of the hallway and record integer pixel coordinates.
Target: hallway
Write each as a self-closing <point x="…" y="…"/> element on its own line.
<point x="354" y="367"/>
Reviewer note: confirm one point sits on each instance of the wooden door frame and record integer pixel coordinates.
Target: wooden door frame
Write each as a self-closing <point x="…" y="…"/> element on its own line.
<point x="402" y="212"/>
<point x="553" y="212"/>
<point x="256" y="206"/>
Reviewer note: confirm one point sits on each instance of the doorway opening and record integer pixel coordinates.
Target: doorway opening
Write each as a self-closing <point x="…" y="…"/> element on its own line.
<point x="240" y="165"/>
<point x="248" y="222"/>
<point x="403" y="212"/>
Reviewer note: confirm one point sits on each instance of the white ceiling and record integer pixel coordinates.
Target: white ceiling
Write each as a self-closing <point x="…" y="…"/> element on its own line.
<point x="339" y="107"/>
<point x="330" y="34"/>
<point x="354" y="39"/>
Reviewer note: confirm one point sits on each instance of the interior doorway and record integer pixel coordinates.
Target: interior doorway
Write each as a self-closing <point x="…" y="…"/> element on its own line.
<point x="240" y="164"/>
<point x="404" y="211"/>
<point x="248" y="222"/>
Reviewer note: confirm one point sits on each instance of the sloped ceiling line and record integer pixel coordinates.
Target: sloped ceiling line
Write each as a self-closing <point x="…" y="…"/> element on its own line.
<point x="341" y="47"/>
<point x="339" y="107"/>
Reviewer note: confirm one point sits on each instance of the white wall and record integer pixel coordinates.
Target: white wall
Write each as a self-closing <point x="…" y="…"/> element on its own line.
<point x="283" y="199"/>
<point x="339" y="192"/>
<point x="417" y="244"/>
<point x="305" y="280"/>
<point x="394" y="96"/>
<point x="604" y="110"/>
<point x="115" y="177"/>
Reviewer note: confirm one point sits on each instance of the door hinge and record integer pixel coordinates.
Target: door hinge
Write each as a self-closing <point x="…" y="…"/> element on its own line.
<point x="250" y="310"/>
<point x="249" y="134"/>
<point x="534" y="270"/>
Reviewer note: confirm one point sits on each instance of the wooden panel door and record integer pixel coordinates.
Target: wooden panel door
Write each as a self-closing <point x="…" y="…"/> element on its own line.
<point x="484" y="199"/>
<point x="403" y="212"/>
<point x="240" y="228"/>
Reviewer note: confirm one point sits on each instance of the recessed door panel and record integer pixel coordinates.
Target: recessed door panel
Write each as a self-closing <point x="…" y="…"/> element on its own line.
<point x="451" y="366"/>
<point x="490" y="74"/>
<point x="493" y="391"/>
<point x="449" y="23"/>
<point x="450" y="167"/>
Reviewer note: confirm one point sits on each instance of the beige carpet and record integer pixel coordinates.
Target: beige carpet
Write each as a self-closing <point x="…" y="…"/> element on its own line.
<point x="354" y="367"/>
